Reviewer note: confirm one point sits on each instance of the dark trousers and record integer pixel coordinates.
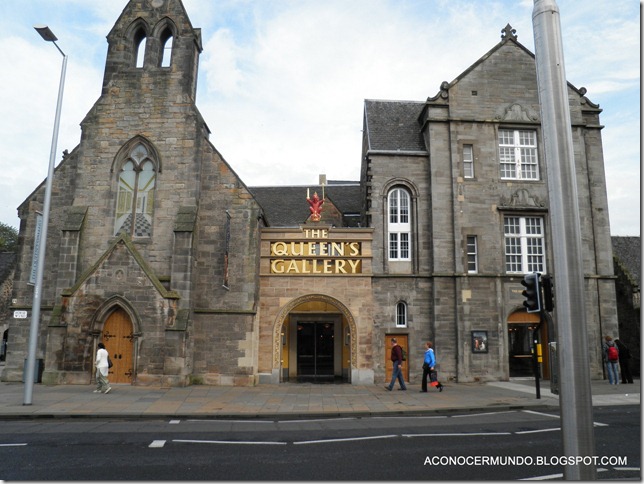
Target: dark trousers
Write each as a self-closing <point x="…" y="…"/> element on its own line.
<point x="425" y="377"/>
<point x="625" y="370"/>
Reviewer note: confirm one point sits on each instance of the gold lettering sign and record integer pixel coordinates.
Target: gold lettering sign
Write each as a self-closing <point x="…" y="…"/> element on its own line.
<point x="314" y="257"/>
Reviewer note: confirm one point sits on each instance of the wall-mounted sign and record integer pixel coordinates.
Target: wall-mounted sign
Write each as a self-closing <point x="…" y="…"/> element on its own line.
<point x="20" y="314"/>
<point x="318" y="255"/>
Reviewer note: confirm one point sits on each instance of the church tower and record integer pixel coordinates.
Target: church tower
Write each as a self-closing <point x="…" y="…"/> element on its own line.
<point x="153" y="239"/>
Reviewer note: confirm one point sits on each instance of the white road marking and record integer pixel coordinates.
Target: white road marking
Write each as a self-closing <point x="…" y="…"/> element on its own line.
<point x="229" y="421"/>
<point x="226" y="442"/>
<point x="350" y="439"/>
<point x="457" y="434"/>
<point x="541" y="413"/>
<point x="12" y="445"/>
<point x="174" y="422"/>
<point x="156" y="444"/>
<point x="480" y="414"/>
<point x="520" y="432"/>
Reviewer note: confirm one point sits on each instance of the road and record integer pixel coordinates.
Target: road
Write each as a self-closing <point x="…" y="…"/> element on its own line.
<point x="464" y="446"/>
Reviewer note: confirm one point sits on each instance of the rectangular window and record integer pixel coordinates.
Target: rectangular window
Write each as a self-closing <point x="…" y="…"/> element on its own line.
<point x="468" y="161"/>
<point x="524" y="245"/>
<point x="518" y="154"/>
<point x="472" y="255"/>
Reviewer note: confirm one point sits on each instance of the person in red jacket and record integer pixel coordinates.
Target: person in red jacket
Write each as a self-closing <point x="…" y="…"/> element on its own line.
<point x="397" y="359"/>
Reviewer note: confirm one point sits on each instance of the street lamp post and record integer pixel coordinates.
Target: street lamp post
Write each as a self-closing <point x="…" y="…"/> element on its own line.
<point x="30" y="370"/>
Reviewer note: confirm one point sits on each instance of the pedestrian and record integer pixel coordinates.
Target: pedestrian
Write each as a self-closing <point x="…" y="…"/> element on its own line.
<point x="429" y="364"/>
<point x="397" y="359"/>
<point x="610" y="355"/>
<point x="624" y="364"/>
<point x="102" y="370"/>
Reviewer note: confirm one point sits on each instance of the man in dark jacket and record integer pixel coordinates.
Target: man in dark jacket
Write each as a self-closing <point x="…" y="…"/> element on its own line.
<point x="624" y="365"/>
<point x="397" y="359"/>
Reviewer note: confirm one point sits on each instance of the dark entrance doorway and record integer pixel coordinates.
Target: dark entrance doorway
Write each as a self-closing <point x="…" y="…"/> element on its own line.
<point x="315" y="351"/>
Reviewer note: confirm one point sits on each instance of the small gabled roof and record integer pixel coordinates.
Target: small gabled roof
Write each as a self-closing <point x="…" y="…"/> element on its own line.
<point x="628" y="255"/>
<point x="393" y="125"/>
<point x="286" y="206"/>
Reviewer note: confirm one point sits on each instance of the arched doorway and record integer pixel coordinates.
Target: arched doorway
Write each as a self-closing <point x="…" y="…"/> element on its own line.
<point x="314" y="341"/>
<point x="118" y="337"/>
<point x="521" y="332"/>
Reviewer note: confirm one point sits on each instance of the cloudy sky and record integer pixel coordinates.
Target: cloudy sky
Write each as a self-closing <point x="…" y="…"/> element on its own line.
<point x="282" y="82"/>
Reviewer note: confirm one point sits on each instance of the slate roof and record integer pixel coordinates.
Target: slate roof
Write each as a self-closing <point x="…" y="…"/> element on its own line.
<point x="393" y="125"/>
<point x="628" y="252"/>
<point x="286" y="206"/>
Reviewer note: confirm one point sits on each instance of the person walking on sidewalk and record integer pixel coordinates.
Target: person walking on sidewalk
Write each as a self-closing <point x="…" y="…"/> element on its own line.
<point x="102" y="370"/>
<point x="624" y="365"/>
<point x="397" y="359"/>
<point x="429" y="364"/>
<point x="611" y="358"/>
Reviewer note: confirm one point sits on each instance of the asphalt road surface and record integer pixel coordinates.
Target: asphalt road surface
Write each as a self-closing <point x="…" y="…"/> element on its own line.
<point x="465" y="446"/>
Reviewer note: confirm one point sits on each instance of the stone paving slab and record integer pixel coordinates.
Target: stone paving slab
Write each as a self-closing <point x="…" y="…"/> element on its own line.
<point x="289" y="400"/>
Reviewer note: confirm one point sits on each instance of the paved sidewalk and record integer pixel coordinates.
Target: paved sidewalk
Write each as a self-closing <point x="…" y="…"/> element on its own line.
<point x="289" y="400"/>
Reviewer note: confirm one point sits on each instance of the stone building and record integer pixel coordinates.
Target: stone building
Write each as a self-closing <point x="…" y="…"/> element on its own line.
<point x="159" y="250"/>
<point x="627" y="255"/>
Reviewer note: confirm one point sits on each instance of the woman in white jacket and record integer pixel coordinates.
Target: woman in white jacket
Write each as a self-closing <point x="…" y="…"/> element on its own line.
<point x="102" y="370"/>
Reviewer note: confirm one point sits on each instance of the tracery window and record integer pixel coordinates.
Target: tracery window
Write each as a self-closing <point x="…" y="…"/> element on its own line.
<point x="135" y="198"/>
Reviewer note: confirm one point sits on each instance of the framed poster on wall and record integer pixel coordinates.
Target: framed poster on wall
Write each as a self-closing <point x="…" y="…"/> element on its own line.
<point x="479" y="341"/>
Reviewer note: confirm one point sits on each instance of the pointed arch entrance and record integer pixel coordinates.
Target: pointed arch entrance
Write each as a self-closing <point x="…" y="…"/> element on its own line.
<point x="118" y="337"/>
<point x="314" y="340"/>
<point x="117" y="325"/>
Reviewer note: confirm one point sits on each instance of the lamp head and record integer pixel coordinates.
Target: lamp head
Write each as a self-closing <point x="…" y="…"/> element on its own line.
<point x="46" y="33"/>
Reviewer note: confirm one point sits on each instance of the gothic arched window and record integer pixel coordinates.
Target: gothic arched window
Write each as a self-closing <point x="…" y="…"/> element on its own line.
<point x="140" y="40"/>
<point x="166" y="52"/>
<point x="135" y="198"/>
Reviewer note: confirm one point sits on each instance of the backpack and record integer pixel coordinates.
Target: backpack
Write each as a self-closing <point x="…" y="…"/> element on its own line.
<point x="613" y="354"/>
<point x="404" y="353"/>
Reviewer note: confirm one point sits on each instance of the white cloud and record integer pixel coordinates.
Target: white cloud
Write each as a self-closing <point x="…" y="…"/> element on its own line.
<point x="282" y="83"/>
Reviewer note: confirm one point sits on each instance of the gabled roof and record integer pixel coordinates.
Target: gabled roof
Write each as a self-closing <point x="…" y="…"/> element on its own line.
<point x="628" y="255"/>
<point x="286" y="206"/>
<point x="393" y="125"/>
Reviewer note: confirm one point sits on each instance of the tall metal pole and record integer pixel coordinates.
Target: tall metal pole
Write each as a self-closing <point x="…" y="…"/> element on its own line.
<point x="30" y="371"/>
<point x="575" y="397"/>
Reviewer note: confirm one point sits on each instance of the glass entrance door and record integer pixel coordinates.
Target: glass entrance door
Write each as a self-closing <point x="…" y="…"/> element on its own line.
<point x="315" y="341"/>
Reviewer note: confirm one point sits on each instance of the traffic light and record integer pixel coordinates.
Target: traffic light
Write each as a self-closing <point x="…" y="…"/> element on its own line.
<point x="548" y="299"/>
<point x="532" y="292"/>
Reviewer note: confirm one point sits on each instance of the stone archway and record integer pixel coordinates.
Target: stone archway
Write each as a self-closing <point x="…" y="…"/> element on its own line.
<point x="117" y="324"/>
<point x="284" y="312"/>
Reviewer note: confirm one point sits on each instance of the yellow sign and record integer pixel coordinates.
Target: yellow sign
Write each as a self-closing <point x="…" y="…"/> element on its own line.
<point x="316" y="256"/>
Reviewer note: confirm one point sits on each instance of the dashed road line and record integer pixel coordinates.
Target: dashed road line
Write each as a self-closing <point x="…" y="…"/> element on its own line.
<point x="234" y="442"/>
<point x="521" y="432"/>
<point x="349" y="439"/>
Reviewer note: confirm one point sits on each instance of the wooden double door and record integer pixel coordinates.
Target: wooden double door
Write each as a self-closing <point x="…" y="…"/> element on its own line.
<point x="118" y="339"/>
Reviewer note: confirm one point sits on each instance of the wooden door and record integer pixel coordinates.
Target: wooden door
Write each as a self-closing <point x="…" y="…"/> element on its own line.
<point x="118" y="340"/>
<point x="389" y="365"/>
